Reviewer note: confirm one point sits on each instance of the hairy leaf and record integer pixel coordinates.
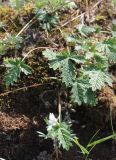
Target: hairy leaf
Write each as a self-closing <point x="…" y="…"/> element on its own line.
<point x="90" y="98"/>
<point x="79" y="89"/>
<point x="63" y="62"/>
<point x="50" y="54"/>
<point x="85" y="30"/>
<point x="98" y="79"/>
<point x="13" y="42"/>
<point x="14" y="67"/>
<point x="64" y="136"/>
<point x="67" y="72"/>
<point x="79" y="59"/>
<point x="77" y="93"/>
<point x="59" y="132"/>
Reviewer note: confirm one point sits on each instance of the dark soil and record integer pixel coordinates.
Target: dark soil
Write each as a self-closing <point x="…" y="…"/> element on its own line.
<point x="19" y="125"/>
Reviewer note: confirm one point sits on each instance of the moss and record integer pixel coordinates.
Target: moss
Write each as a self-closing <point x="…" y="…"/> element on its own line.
<point x="27" y="9"/>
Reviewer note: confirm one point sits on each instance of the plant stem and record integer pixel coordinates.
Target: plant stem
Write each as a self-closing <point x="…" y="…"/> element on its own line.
<point x="32" y="50"/>
<point x="111" y="121"/>
<point x="59" y="105"/>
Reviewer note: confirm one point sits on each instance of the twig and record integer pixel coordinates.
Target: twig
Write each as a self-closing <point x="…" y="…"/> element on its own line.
<point x="78" y="16"/>
<point x="26" y="26"/>
<point x="97" y="3"/>
<point x="22" y="88"/>
<point x="34" y="50"/>
<point x="111" y="121"/>
<point x="72" y="19"/>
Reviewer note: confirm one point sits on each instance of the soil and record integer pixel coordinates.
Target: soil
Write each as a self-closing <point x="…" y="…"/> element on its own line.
<point x="19" y="125"/>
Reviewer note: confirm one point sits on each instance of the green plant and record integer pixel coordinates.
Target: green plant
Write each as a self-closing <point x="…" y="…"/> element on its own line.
<point x="2" y="48"/>
<point x="16" y="4"/>
<point x="47" y="20"/>
<point x="54" y="5"/>
<point x="92" y="144"/>
<point x="14" y="67"/>
<point x="84" y="70"/>
<point x="91" y="75"/>
<point x="47" y="12"/>
<point x="61" y="134"/>
<point x="114" y="2"/>
<point x="13" y="42"/>
<point x="83" y="66"/>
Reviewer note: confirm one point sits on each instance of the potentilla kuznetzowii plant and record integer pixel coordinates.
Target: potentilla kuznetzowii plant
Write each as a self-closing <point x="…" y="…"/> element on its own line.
<point x="81" y="63"/>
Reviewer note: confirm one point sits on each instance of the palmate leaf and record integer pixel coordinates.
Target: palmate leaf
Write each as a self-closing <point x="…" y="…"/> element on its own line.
<point x="14" y="67"/>
<point x="65" y="63"/>
<point x="109" y="48"/>
<point x="61" y="133"/>
<point x="13" y="42"/>
<point x="56" y="59"/>
<point x="47" y="20"/>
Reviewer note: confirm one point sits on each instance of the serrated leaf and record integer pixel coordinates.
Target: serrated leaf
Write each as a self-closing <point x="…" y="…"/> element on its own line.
<point x="59" y="132"/>
<point x="102" y="47"/>
<point x="58" y="62"/>
<point x="90" y="98"/>
<point x="89" y="55"/>
<point x="101" y="61"/>
<point x="70" y="39"/>
<point x="108" y="79"/>
<point x="25" y="68"/>
<point x="64" y="136"/>
<point x="49" y="54"/>
<point x="77" y="93"/>
<point x="13" y="42"/>
<point x="79" y="89"/>
<point x="85" y="30"/>
<point x="14" y="67"/>
<point x="98" y="79"/>
<point x="112" y="57"/>
<point x="109" y="48"/>
<point x="67" y="72"/>
<point x="79" y="59"/>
